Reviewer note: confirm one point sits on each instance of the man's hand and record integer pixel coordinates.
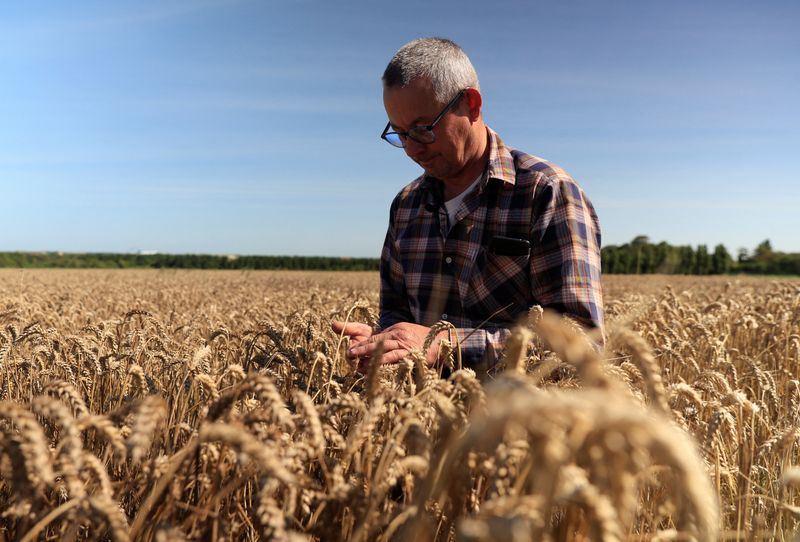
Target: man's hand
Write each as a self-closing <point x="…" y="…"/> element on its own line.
<point x="357" y="332"/>
<point x="398" y="341"/>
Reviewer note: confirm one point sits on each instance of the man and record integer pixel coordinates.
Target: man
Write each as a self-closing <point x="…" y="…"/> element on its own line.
<point x="484" y="234"/>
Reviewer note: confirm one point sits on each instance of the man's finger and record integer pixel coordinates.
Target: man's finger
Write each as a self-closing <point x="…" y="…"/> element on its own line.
<point x="388" y="359"/>
<point x="353" y="329"/>
<point x="337" y="326"/>
<point x="378" y="337"/>
<point x="368" y="347"/>
<point x="394" y="356"/>
<point x="356" y="340"/>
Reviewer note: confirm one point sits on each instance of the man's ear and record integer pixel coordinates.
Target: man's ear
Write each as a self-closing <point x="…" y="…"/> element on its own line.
<point x="474" y="103"/>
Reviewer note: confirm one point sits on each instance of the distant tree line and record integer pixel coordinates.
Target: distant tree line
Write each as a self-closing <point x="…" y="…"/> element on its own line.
<point x="640" y="256"/>
<point x="183" y="261"/>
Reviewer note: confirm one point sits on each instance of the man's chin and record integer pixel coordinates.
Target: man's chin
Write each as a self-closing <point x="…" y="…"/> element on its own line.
<point x="430" y="168"/>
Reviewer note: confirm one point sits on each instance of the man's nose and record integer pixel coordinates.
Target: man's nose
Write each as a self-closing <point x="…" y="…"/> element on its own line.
<point x="414" y="148"/>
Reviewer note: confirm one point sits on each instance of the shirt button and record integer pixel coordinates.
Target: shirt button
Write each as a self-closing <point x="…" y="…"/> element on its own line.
<point x="449" y="259"/>
<point x="444" y="316"/>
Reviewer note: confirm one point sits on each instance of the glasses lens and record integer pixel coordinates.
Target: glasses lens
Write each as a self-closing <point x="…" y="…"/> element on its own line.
<point x="394" y="139"/>
<point x="422" y="135"/>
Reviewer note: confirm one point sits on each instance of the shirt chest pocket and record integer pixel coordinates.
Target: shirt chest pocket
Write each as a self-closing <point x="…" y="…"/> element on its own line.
<point x="500" y="282"/>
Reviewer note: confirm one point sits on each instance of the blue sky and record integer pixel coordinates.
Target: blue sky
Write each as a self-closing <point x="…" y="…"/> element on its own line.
<point x="252" y="127"/>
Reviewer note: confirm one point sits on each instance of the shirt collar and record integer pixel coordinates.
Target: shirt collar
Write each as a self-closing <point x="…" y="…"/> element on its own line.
<point x="501" y="162"/>
<point x="500" y="166"/>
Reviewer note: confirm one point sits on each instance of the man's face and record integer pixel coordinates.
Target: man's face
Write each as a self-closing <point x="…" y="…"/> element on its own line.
<point x="416" y="105"/>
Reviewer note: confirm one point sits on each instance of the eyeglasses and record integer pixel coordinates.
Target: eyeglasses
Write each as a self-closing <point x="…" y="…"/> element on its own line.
<point x="420" y="134"/>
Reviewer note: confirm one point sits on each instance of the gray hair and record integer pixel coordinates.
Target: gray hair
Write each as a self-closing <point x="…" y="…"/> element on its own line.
<point x="440" y="60"/>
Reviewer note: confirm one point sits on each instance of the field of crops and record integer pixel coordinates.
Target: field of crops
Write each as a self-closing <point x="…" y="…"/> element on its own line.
<point x="170" y="405"/>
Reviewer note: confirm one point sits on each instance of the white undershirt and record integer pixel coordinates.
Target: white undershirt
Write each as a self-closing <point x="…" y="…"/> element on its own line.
<point x="452" y="205"/>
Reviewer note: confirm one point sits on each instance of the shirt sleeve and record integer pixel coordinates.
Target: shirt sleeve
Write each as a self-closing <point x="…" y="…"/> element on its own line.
<point x="565" y="252"/>
<point x="394" y="306"/>
<point x="482" y="347"/>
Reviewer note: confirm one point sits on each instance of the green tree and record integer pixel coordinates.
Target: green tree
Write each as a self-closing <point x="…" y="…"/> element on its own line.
<point x="702" y="263"/>
<point x="687" y="260"/>
<point x="763" y="251"/>
<point x="721" y="260"/>
<point x="640" y="244"/>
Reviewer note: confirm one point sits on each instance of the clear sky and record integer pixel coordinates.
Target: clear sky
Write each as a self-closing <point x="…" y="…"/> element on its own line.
<point x="252" y="127"/>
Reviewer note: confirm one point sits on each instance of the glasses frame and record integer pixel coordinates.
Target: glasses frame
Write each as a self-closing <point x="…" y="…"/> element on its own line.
<point x="402" y="136"/>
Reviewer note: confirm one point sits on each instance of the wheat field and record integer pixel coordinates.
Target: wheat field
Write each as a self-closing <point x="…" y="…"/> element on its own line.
<point x="167" y="405"/>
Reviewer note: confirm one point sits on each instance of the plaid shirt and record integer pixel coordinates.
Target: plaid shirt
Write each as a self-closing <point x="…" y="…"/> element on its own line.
<point x="431" y="270"/>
